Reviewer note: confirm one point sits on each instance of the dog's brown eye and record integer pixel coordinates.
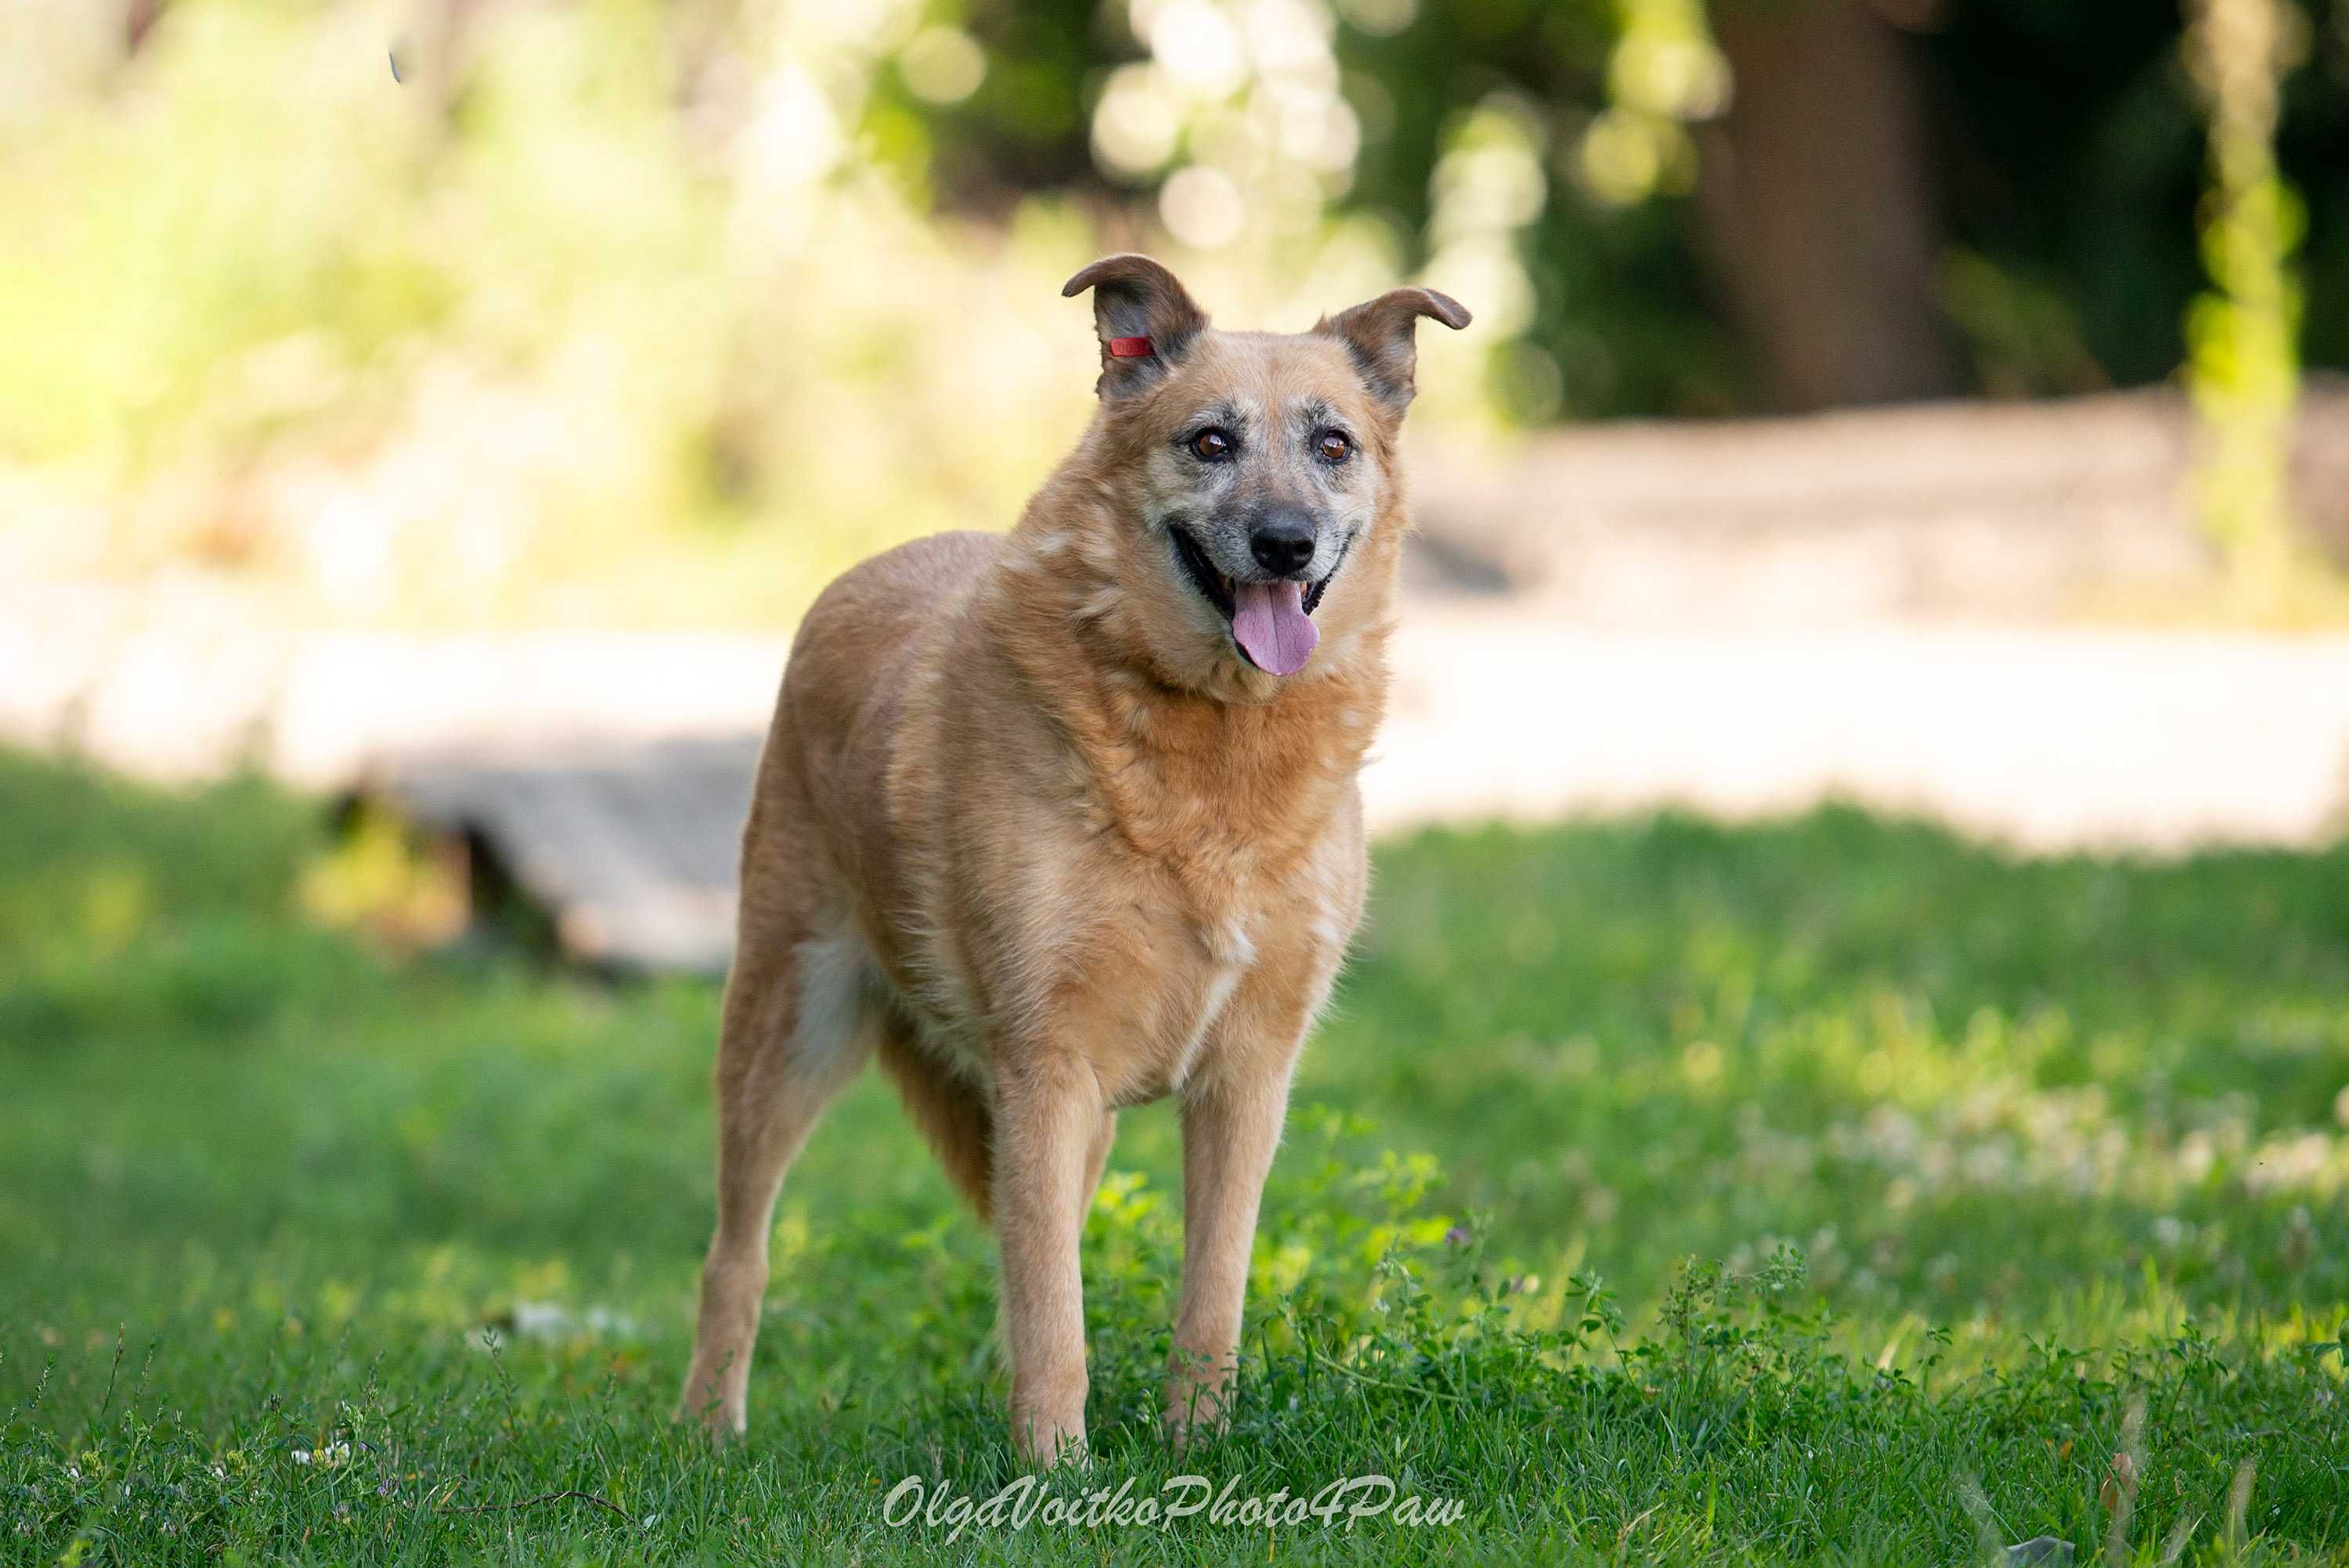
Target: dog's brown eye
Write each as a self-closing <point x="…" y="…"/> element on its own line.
<point x="1211" y="444"/>
<point x="1333" y="446"/>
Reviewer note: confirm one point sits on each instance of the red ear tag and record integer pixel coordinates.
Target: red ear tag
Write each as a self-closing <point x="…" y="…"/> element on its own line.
<point x="1130" y="348"/>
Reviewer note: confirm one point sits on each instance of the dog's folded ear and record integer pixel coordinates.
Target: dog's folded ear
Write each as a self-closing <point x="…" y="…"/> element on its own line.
<point x="1382" y="336"/>
<point x="1145" y="319"/>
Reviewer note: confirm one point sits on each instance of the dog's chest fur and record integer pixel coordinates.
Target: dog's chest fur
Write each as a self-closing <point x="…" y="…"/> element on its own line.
<point x="1184" y="887"/>
<point x="1243" y="823"/>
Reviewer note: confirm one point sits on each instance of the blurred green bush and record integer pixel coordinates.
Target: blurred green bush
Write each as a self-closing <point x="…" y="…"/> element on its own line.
<point x="634" y="311"/>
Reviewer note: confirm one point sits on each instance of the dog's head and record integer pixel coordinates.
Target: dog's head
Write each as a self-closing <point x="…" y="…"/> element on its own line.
<point x="1254" y="475"/>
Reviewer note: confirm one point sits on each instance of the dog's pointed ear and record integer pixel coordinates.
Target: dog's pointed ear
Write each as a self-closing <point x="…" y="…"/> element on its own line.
<point x="1382" y="336"/>
<point x="1146" y="320"/>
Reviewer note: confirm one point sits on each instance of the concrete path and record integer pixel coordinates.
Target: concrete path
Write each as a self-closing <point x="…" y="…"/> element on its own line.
<point x="2043" y="739"/>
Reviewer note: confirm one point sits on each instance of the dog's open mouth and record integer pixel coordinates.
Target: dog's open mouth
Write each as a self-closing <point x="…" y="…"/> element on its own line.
<point x="1212" y="584"/>
<point x="1271" y="622"/>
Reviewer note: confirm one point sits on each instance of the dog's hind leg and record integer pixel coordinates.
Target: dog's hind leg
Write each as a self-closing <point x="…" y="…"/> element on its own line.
<point x="801" y="1018"/>
<point x="952" y="1117"/>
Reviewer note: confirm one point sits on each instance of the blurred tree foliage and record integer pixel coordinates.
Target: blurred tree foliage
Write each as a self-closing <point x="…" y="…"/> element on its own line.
<point x="1892" y="197"/>
<point x="544" y="327"/>
<point x="2244" y="369"/>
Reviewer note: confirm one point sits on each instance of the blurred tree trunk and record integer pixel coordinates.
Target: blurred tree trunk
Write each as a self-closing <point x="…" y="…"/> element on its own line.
<point x="1817" y="206"/>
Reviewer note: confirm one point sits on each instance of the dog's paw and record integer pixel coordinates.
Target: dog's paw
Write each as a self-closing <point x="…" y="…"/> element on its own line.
<point x="716" y="1427"/>
<point x="722" y="1416"/>
<point x="722" y="1427"/>
<point x="1053" y="1446"/>
<point x="1192" y="1416"/>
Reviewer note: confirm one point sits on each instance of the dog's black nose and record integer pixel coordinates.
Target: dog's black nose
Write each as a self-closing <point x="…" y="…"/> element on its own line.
<point x="1282" y="542"/>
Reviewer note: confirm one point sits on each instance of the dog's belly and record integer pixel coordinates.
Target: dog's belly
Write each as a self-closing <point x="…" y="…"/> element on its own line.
<point x="952" y="1039"/>
<point x="1154" y="980"/>
<point x="1148" y="1025"/>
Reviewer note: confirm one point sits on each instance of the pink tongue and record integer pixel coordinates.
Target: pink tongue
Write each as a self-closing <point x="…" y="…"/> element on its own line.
<point x="1270" y="621"/>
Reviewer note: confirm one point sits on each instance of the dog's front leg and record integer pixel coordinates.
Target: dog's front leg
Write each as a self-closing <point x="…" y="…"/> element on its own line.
<point x="1049" y="1114"/>
<point x="1230" y="1133"/>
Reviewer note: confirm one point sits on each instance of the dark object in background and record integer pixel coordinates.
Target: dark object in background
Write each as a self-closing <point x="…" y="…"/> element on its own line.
<point x="625" y="853"/>
<point x="1818" y="210"/>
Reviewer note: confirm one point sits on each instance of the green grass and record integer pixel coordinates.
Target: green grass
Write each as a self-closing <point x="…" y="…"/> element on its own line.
<point x="309" y="1253"/>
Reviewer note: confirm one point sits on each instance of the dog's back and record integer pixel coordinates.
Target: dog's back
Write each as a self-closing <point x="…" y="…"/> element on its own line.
<point x="849" y="663"/>
<point x="844" y="693"/>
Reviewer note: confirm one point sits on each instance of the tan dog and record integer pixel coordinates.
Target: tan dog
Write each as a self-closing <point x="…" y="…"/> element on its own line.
<point x="1064" y="821"/>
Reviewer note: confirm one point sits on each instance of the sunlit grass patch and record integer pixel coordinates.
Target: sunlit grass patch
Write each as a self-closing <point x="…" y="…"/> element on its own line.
<point x="1661" y="1192"/>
